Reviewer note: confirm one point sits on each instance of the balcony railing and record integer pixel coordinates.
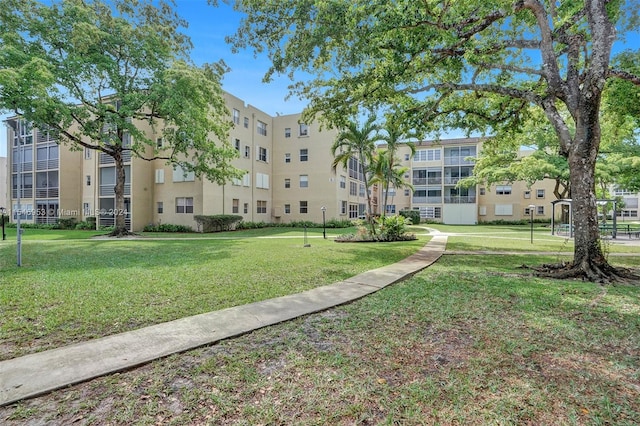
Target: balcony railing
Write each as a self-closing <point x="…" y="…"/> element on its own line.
<point x="47" y="192"/>
<point x="427" y="181"/>
<point x="24" y="193"/>
<point x="47" y="164"/>
<point x="460" y="199"/>
<point x="107" y="159"/>
<point x="49" y="220"/>
<point x="109" y="190"/>
<point x="457" y="161"/>
<point x="427" y="200"/>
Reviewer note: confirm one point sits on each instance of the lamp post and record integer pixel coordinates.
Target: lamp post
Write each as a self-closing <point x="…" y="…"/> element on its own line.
<point x="324" y="223"/>
<point x="531" y="207"/>
<point x="2" y="210"/>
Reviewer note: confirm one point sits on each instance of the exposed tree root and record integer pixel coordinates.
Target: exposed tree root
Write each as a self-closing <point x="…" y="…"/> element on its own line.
<point x="121" y="232"/>
<point x="586" y="271"/>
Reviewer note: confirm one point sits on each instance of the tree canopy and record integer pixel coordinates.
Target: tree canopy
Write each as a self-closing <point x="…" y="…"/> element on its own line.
<point x="445" y="64"/>
<point x="101" y="73"/>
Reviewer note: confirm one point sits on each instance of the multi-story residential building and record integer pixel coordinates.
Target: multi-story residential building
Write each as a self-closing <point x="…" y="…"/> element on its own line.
<point x="630" y="201"/>
<point x="434" y="172"/>
<point x="288" y="177"/>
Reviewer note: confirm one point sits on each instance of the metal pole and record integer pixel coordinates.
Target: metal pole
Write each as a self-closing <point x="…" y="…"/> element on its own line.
<point x="324" y="223"/>
<point x="15" y="125"/>
<point x="531" y="207"/>
<point x="4" y="236"/>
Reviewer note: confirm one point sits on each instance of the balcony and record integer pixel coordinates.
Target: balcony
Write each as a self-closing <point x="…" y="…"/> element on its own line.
<point x="107" y="159"/>
<point x="108" y="190"/>
<point x="457" y="161"/>
<point x="47" y="164"/>
<point x="427" y="181"/>
<point x="427" y="200"/>
<point x="47" y="192"/>
<point x="460" y="199"/>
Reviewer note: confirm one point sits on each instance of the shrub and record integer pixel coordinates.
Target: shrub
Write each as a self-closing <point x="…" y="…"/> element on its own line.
<point x="414" y="215"/>
<point x="392" y="228"/>
<point x="86" y="225"/>
<point x="67" y="223"/>
<point x="167" y="227"/>
<point x="217" y="223"/>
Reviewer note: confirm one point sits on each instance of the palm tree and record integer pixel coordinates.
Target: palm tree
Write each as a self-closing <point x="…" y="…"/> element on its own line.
<point x="393" y="136"/>
<point x="357" y="142"/>
<point x="387" y="172"/>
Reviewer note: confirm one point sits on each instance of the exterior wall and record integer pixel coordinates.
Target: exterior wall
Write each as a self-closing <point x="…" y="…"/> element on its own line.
<point x="511" y="201"/>
<point x="302" y="156"/>
<point x="631" y="208"/>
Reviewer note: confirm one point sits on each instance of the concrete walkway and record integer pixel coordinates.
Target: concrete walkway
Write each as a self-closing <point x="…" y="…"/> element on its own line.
<point x="38" y="373"/>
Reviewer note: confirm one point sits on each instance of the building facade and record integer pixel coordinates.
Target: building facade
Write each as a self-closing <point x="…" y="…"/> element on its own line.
<point x="287" y="164"/>
<point x="288" y="177"/>
<point x="434" y="171"/>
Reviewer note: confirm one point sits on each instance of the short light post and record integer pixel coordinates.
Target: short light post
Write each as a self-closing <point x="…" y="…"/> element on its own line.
<point x="531" y="207"/>
<point x="2" y="211"/>
<point x="324" y="222"/>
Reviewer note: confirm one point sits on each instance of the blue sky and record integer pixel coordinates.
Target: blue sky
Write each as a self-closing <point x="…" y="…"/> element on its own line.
<point x="208" y="27"/>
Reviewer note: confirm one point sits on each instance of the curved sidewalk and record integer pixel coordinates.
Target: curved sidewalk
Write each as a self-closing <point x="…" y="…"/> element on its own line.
<point x="38" y="373"/>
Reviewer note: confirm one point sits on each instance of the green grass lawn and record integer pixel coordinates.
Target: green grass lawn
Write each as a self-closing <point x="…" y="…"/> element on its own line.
<point x="473" y="339"/>
<point x="71" y="290"/>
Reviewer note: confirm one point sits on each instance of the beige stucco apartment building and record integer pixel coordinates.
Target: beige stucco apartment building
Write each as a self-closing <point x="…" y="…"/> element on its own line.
<point x="288" y="177"/>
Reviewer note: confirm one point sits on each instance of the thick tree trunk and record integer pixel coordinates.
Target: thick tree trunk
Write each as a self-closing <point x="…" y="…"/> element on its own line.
<point x="120" y="227"/>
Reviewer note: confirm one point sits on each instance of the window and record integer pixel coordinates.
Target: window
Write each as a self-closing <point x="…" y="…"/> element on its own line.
<point x="262" y="128"/>
<point x="235" y="206"/>
<point x="353" y="188"/>
<point x="159" y="175"/>
<point x="246" y="208"/>
<point x="159" y="143"/>
<point x="391" y="208"/>
<point x="262" y="154"/>
<point x="160" y="207"/>
<point x="87" y="154"/>
<point x="504" y="209"/>
<point x="246" y="122"/>
<point x="287" y="158"/>
<point x="304" y="154"/>
<point x="86" y="209"/>
<point x="540" y="193"/>
<point x="236" y="144"/>
<point x="540" y="210"/>
<point x="261" y="207"/>
<point x="343" y="207"/>
<point x="304" y="181"/>
<point x="407" y="192"/>
<point x="236" y="116"/>
<point x="247" y="151"/>
<point x="262" y="181"/>
<point x="430" y="212"/>
<point x="287" y="183"/>
<point x="287" y="209"/>
<point x="184" y="205"/>
<point x="482" y="191"/>
<point x="406" y="157"/>
<point x="503" y="190"/>
<point x="304" y="130"/>
<point x="343" y="182"/>
<point x="88" y="180"/>
<point x="353" y="211"/>
<point x="304" y="207"/>
<point x="287" y="132"/>
<point x="362" y="192"/>
<point x="527" y="194"/>
<point x="527" y="211"/>
<point x="427" y="155"/>
<point x="180" y="175"/>
<point x="246" y="179"/>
